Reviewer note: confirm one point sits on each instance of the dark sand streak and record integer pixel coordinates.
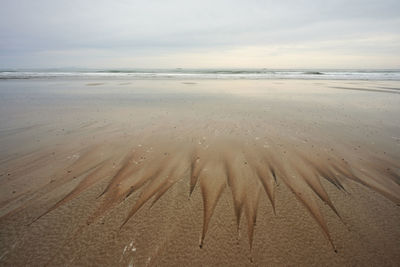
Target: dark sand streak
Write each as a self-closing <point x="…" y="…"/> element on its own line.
<point x="365" y="89"/>
<point x="215" y="165"/>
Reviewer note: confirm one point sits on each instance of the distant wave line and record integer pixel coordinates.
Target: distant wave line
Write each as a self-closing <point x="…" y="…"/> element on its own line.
<point x="207" y="74"/>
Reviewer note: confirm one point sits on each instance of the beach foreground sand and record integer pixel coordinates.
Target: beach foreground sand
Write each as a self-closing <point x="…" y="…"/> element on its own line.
<point x="212" y="173"/>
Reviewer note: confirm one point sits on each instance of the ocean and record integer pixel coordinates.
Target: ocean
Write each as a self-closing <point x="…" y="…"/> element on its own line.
<point x="251" y="74"/>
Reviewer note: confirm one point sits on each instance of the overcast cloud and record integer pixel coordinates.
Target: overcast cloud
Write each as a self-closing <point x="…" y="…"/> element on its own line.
<point x="169" y="34"/>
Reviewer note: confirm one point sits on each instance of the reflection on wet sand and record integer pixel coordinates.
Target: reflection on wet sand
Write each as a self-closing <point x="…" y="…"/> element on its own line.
<point x="239" y="154"/>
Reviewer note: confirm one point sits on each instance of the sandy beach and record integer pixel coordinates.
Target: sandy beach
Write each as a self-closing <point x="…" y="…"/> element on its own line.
<point x="199" y="172"/>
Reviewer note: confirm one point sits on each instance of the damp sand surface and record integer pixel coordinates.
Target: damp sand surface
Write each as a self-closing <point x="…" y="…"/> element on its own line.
<point x="202" y="173"/>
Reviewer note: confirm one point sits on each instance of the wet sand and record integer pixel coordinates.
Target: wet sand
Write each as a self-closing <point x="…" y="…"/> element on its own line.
<point x="207" y="172"/>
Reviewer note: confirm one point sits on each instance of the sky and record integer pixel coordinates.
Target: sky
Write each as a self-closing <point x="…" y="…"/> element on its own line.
<point x="359" y="34"/>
